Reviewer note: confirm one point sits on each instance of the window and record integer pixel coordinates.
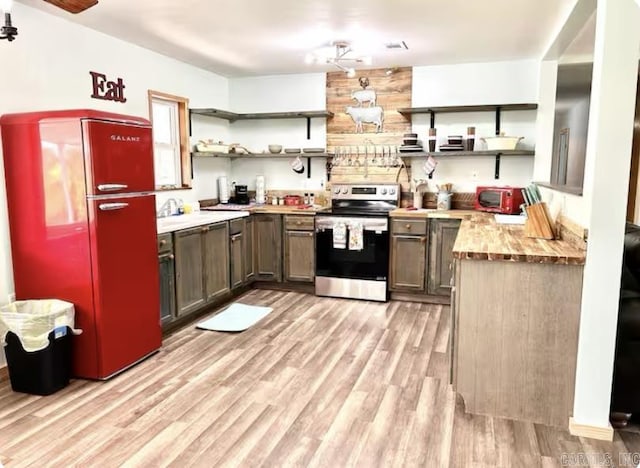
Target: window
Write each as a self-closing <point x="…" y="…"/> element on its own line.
<point x="172" y="164"/>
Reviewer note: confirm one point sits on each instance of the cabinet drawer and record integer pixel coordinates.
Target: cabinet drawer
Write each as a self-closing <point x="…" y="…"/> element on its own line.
<point x="409" y="226"/>
<point x="236" y="226"/>
<point x="299" y="223"/>
<point x="165" y="243"/>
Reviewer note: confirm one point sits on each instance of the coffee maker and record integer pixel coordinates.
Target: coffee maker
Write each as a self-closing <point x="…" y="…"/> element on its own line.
<point x="241" y="195"/>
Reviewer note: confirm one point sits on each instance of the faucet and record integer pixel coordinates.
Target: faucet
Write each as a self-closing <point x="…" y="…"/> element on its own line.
<point x="165" y="210"/>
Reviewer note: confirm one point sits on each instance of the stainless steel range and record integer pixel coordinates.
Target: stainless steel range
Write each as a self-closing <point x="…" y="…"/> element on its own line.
<point x="352" y="241"/>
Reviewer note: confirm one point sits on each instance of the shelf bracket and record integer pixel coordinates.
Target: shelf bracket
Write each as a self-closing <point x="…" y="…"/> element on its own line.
<point x="308" y="128"/>
<point x="308" y="167"/>
<point x="433" y="119"/>
<point x="497" y="122"/>
<point x="190" y="134"/>
<point x="497" y="170"/>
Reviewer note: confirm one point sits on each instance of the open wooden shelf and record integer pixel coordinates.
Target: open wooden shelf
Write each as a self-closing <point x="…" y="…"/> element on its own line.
<point x="449" y="154"/>
<point x="233" y="116"/>
<point x="260" y="155"/>
<point x="478" y="108"/>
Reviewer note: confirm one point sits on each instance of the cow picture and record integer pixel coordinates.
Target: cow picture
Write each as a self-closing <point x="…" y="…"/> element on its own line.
<point x="361" y="115"/>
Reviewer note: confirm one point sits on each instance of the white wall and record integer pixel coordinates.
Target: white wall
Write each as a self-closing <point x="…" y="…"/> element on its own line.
<point x="602" y="207"/>
<point x="606" y="182"/>
<point x="278" y="93"/>
<point x="474" y="84"/>
<point x="47" y="67"/>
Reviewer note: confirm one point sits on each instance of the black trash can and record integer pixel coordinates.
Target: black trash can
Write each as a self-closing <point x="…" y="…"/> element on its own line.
<point x="40" y="372"/>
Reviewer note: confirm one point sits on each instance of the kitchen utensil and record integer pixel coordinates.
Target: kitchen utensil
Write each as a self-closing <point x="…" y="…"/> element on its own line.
<point x="501" y="142"/>
<point x="260" y="190"/>
<point x="471" y="138"/>
<point x="275" y="149"/>
<point x="443" y="200"/>
<point x="292" y="200"/>
<point x="211" y="146"/>
<point x="223" y="189"/>
<point x="297" y="165"/>
<point x="432" y="139"/>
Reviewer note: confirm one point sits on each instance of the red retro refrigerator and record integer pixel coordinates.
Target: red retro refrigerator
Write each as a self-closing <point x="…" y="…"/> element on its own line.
<point x="82" y="224"/>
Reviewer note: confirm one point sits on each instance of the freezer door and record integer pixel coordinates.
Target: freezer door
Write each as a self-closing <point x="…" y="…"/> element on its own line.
<point x="118" y="157"/>
<point x="126" y="280"/>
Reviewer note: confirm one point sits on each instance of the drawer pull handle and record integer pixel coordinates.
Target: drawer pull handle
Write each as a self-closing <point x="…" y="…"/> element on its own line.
<point x="298" y="223"/>
<point x="163" y="242"/>
<point x="112" y="187"/>
<point x="171" y="257"/>
<point x="112" y="206"/>
<point x="408" y="226"/>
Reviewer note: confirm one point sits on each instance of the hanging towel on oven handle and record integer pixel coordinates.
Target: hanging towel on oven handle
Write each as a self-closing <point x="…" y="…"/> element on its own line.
<point x="355" y="236"/>
<point x="339" y="235"/>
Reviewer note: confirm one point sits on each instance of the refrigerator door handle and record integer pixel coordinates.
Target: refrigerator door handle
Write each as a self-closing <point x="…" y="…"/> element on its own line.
<point x="112" y="206"/>
<point x="111" y="187"/>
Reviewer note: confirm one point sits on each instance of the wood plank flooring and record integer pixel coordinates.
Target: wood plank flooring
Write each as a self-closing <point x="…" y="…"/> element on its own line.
<point x="319" y="382"/>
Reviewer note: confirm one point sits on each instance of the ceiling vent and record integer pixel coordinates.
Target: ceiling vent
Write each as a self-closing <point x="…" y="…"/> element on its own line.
<point x="397" y="45"/>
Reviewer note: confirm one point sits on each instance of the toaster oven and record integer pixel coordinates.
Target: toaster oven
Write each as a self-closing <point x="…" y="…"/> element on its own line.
<point x="505" y="200"/>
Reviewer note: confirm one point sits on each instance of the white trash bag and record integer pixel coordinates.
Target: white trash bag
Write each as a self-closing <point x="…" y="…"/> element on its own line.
<point x="33" y="320"/>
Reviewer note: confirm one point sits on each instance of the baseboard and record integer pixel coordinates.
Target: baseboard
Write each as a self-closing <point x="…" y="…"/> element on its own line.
<point x="591" y="432"/>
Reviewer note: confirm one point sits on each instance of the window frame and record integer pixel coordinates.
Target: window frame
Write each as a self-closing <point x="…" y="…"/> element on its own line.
<point x="183" y="125"/>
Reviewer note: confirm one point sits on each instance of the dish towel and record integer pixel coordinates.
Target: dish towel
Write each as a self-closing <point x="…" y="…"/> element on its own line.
<point x="339" y="236"/>
<point x="355" y="236"/>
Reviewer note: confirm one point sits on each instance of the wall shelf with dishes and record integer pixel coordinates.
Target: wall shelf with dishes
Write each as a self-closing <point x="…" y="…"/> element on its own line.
<point x="207" y="154"/>
<point x="408" y="112"/>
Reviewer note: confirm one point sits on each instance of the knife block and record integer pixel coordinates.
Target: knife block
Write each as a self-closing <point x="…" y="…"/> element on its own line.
<point x="538" y="223"/>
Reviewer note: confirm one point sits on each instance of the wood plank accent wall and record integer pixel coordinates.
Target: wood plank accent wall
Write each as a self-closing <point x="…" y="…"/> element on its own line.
<point x="392" y="92"/>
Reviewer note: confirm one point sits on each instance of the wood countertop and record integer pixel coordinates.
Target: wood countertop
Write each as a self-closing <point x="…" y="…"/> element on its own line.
<point x="481" y="238"/>
<point x="268" y="209"/>
<point x="433" y="213"/>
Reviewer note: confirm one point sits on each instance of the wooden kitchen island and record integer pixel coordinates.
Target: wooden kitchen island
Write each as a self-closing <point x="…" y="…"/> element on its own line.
<point x="515" y="314"/>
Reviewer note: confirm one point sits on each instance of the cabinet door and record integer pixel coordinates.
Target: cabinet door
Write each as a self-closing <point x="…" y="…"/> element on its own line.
<point x="188" y="249"/>
<point x="268" y="236"/>
<point x="249" y="257"/>
<point x="443" y="234"/>
<point x="408" y="258"/>
<point x="216" y="261"/>
<point x="299" y="256"/>
<point x="236" y="248"/>
<point x="167" y="288"/>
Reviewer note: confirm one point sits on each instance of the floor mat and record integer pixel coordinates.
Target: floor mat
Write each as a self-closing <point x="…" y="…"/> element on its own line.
<point x="235" y="318"/>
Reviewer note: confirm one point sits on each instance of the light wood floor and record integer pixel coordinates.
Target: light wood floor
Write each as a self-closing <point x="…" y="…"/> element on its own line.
<point x="319" y="382"/>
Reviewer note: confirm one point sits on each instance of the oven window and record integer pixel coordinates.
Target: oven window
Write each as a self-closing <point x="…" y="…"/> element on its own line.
<point x="370" y="263"/>
<point x="489" y="199"/>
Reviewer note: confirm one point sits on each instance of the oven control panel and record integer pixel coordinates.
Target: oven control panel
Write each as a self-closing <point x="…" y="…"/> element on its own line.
<point x="388" y="192"/>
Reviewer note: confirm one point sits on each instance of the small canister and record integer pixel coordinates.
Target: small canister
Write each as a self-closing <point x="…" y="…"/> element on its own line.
<point x="444" y="201"/>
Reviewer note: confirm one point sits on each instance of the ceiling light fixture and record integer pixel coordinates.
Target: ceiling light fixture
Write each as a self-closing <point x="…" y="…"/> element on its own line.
<point x="8" y="31"/>
<point x="342" y="53"/>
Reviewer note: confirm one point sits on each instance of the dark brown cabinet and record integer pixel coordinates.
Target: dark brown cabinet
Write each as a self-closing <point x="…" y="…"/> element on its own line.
<point x="166" y="266"/>
<point x="216" y="260"/>
<point x="202" y="266"/>
<point x="442" y="234"/>
<point x="299" y="256"/>
<point x="408" y="257"/>
<point x="249" y="258"/>
<point x="236" y="249"/>
<point x="268" y="247"/>
<point x="189" y="254"/>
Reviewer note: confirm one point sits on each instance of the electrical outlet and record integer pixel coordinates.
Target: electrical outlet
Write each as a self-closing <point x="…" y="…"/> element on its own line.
<point x="12" y="297"/>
